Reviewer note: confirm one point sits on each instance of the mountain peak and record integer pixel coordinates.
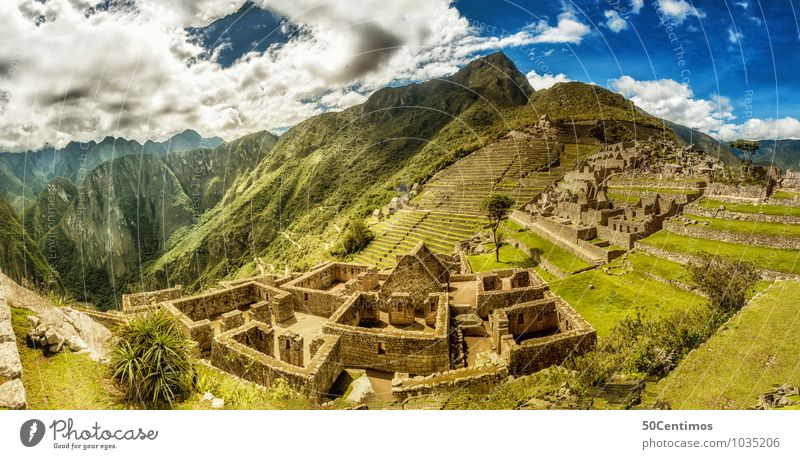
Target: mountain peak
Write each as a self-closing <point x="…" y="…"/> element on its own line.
<point x="495" y="75"/>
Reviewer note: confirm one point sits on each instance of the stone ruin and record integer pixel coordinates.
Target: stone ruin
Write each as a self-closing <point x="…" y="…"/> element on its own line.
<point x="578" y="214"/>
<point x="307" y="327"/>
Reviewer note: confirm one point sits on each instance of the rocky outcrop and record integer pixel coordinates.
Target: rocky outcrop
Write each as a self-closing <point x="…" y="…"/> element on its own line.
<point x="60" y="327"/>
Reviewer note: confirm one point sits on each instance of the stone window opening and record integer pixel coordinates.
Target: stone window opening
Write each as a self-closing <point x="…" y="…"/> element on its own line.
<point x="520" y="319"/>
<point x="305" y="296"/>
<point x="381" y="349"/>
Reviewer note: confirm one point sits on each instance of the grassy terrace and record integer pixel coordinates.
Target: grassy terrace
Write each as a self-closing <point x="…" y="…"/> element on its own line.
<point x="784" y="195"/>
<point x="606" y="298"/>
<point x="562" y="259"/>
<point x="769" y="209"/>
<point x="785" y="261"/>
<point x="756" y="349"/>
<point x="510" y="257"/>
<point x="742" y="226"/>
<point x="73" y="381"/>
<point x="626" y="198"/>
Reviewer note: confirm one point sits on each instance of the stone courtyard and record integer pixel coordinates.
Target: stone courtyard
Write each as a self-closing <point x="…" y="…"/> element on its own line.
<point x="424" y="318"/>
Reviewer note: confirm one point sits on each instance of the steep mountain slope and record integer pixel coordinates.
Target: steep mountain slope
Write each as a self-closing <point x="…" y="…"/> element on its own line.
<point x="126" y="210"/>
<point x="50" y="205"/>
<point x="705" y="142"/>
<point x="20" y="257"/>
<point x="122" y="216"/>
<point x="24" y="175"/>
<point x="338" y="166"/>
<point x="784" y="153"/>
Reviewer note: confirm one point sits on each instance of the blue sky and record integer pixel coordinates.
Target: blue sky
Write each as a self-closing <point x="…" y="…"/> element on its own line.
<point x="731" y="48"/>
<point x="75" y="70"/>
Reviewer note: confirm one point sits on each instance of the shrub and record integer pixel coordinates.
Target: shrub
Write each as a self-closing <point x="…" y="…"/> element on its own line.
<point x="724" y="281"/>
<point x="357" y="237"/>
<point x="151" y="359"/>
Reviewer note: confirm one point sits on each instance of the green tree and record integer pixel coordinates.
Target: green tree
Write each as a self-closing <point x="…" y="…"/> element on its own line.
<point x="748" y="148"/>
<point x="152" y="359"/>
<point x="724" y="281"/>
<point x="497" y="208"/>
<point x="357" y="237"/>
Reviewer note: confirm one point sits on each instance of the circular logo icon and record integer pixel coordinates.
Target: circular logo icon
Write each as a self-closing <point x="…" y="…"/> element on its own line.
<point x="31" y="432"/>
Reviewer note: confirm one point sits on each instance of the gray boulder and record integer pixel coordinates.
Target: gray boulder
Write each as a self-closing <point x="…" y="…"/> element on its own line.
<point x="12" y="395"/>
<point x="362" y="388"/>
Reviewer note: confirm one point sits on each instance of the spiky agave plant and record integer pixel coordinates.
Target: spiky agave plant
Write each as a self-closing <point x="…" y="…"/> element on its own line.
<point x="152" y="359"/>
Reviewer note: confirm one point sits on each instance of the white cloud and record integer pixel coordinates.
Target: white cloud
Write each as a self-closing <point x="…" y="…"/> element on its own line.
<point x="678" y="10"/>
<point x="782" y="128"/>
<point x="567" y="30"/>
<point x="545" y="81"/>
<point x="132" y="71"/>
<point x="734" y="36"/>
<point x="636" y="6"/>
<point x="743" y="5"/>
<point x="675" y="102"/>
<point x="615" y="22"/>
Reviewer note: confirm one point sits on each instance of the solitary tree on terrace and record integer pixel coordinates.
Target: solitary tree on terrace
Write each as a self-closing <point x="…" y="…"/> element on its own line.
<point x="497" y="208"/>
<point x="748" y="147"/>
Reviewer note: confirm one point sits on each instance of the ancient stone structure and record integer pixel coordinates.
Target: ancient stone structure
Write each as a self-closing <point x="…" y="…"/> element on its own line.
<point x="579" y="215"/>
<point x="137" y="302"/>
<point x="306" y="327"/>
<point x="12" y="392"/>
<point x="534" y="335"/>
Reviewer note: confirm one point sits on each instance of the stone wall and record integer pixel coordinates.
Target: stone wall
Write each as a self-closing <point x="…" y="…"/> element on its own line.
<point x="137" y="302"/>
<point x="12" y="392"/>
<point x="717" y="189"/>
<point x="728" y="215"/>
<point x="310" y="290"/>
<point x="476" y="379"/>
<point x="233" y="354"/>
<point x="758" y="239"/>
<point x="411" y="276"/>
<point x="488" y="300"/>
<point x="575" y="336"/>
<point x="413" y="352"/>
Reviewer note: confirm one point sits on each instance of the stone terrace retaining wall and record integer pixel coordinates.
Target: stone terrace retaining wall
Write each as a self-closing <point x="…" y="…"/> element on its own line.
<point x="729" y="215"/>
<point x="12" y="392"/>
<point x="757" y="239"/>
<point x="313" y="380"/>
<point x="480" y="378"/>
<point x="717" y="189"/>
<point x="685" y="259"/>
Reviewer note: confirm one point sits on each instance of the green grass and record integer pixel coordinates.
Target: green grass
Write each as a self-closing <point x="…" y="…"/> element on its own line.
<point x="744" y="226"/>
<point x="756" y="349"/>
<point x="605" y="299"/>
<point x="510" y="257"/>
<point x="784" y="195"/>
<point x="73" y="381"/>
<point x="562" y="259"/>
<point x="627" y="198"/>
<point x="769" y="209"/>
<point x="785" y="261"/>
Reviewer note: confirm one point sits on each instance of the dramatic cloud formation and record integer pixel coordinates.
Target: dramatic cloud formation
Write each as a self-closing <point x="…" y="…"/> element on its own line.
<point x="545" y="81"/>
<point x="615" y="22"/>
<point x="70" y="71"/>
<point x="675" y="102"/>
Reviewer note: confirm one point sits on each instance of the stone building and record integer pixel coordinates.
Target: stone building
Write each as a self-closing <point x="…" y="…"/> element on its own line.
<point x="307" y="327"/>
